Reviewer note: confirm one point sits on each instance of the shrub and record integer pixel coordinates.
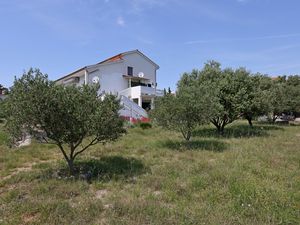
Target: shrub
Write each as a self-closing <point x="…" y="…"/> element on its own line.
<point x="66" y="114"/>
<point x="145" y="125"/>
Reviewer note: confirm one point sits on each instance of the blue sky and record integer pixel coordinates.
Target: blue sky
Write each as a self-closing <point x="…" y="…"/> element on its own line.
<point x="59" y="36"/>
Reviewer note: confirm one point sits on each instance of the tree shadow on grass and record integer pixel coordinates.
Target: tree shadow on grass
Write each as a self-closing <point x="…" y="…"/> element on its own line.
<point x="104" y="169"/>
<point x="209" y="145"/>
<point x="237" y="131"/>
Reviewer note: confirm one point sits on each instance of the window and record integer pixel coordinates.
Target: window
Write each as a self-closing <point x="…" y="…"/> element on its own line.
<point x="130" y="71"/>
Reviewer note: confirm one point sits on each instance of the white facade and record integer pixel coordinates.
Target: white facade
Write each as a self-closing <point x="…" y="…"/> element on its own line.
<point x="130" y="75"/>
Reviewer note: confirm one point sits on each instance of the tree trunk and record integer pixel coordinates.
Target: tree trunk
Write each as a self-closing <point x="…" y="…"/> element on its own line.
<point x="70" y="160"/>
<point x="220" y="129"/>
<point x="250" y="122"/>
<point x="249" y="118"/>
<point x="71" y="167"/>
<point x="188" y="135"/>
<point x="220" y="124"/>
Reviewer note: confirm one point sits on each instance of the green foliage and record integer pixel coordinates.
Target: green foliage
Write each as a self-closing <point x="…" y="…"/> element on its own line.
<point x="189" y="107"/>
<point x="278" y="99"/>
<point x="257" y="97"/>
<point x="3" y="137"/>
<point x="167" y="92"/>
<point x="66" y="114"/>
<point x="145" y="125"/>
<point x="285" y="96"/>
<point x="241" y="94"/>
<point x="293" y="93"/>
<point x="234" y="93"/>
<point x="3" y="109"/>
<point x="231" y="92"/>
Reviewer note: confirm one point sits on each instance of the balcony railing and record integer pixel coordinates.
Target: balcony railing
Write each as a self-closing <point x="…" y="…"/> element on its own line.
<point x="137" y="91"/>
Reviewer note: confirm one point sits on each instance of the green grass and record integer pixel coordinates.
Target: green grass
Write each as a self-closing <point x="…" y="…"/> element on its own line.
<point x="152" y="176"/>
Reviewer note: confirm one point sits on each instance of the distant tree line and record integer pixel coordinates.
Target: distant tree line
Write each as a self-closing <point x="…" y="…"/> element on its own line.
<point x="221" y="96"/>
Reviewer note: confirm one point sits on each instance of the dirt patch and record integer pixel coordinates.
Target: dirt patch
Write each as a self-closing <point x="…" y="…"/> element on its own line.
<point x="29" y="218"/>
<point x="298" y="135"/>
<point x="157" y="193"/>
<point x="108" y="206"/>
<point x="100" y="194"/>
<point x="212" y="162"/>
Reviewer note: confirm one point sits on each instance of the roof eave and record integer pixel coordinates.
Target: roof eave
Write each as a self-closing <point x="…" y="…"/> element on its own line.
<point x="107" y="62"/>
<point x="70" y="74"/>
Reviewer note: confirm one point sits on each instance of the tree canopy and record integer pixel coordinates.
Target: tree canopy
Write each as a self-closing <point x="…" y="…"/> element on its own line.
<point x="284" y="96"/>
<point x="183" y="111"/>
<point x="257" y="97"/>
<point x="231" y="94"/>
<point x="66" y="114"/>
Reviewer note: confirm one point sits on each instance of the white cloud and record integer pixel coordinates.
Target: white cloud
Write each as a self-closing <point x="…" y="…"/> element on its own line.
<point x="120" y="21"/>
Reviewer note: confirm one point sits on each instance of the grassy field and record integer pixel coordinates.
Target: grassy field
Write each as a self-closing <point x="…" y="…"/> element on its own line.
<point x="249" y="176"/>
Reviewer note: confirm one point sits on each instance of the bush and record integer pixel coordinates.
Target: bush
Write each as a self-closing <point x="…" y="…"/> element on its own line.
<point x="73" y="118"/>
<point x="2" y="109"/>
<point x="145" y="125"/>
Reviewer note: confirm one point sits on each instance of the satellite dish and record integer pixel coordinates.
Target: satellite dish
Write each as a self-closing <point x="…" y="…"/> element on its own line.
<point x="141" y="74"/>
<point x="95" y="80"/>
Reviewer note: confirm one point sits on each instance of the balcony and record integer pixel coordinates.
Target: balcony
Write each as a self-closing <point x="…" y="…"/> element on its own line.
<point x="141" y="91"/>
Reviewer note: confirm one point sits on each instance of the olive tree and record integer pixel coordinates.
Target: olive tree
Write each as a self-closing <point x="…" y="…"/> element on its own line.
<point x="231" y="92"/>
<point x="284" y="96"/>
<point x="73" y="118"/>
<point x="278" y="99"/>
<point x="183" y="111"/>
<point x="293" y="94"/>
<point x="257" y="97"/>
<point x="236" y="93"/>
<point x="2" y="108"/>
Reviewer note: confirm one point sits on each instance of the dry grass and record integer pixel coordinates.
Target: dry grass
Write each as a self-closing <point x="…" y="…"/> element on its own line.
<point x="248" y="176"/>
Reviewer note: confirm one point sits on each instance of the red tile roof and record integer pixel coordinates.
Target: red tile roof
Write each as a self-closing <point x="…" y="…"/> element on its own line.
<point x="113" y="59"/>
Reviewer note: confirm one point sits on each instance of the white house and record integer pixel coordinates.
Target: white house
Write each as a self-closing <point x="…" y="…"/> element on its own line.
<point x="130" y="75"/>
